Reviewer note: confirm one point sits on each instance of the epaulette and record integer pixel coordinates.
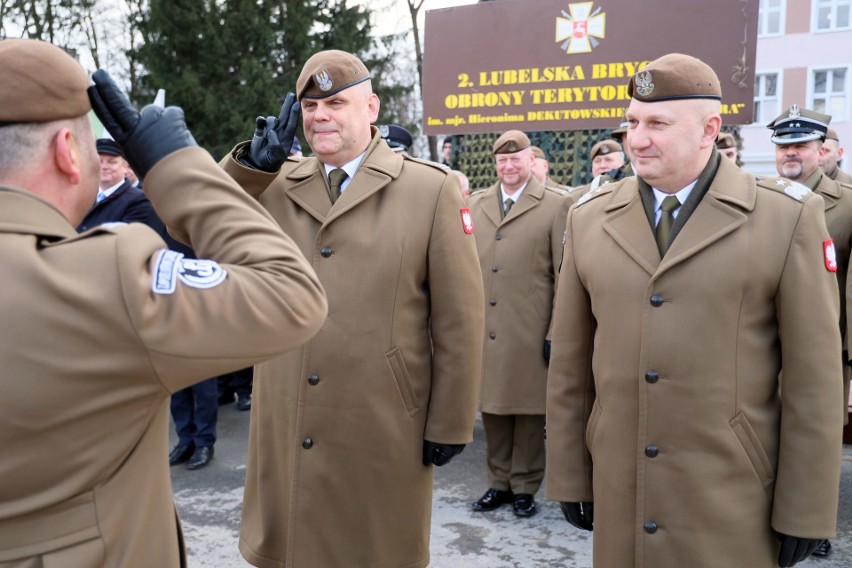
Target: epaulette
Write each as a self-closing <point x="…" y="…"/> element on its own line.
<point x="556" y="190"/>
<point x="430" y="163"/>
<point x="601" y="189"/>
<point x="790" y="188"/>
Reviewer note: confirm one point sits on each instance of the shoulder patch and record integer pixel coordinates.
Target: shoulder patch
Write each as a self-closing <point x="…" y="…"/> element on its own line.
<point x="171" y="267"/>
<point x="790" y="188"/>
<point x="594" y="192"/>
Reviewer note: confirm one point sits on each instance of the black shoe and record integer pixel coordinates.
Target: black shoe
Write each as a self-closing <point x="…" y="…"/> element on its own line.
<point x="823" y="550"/>
<point x="243" y="402"/>
<point x="180" y="454"/>
<point x="226" y="398"/>
<point x="492" y="499"/>
<point x="524" y="505"/>
<point x="201" y="457"/>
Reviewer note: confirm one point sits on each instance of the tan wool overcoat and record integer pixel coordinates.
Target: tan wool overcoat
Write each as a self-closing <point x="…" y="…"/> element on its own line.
<point x="519" y="256"/>
<point x="663" y="402"/>
<point x="335" y="476"/>
<point x="91" y="353"/>
<point x="838" y="217"/>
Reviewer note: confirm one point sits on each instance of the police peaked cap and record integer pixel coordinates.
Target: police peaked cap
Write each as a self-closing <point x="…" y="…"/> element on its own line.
<point x="396" y="137"/>
<point x="797" y="125"/>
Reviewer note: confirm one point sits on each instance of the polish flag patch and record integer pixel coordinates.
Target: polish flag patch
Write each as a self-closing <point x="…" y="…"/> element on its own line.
<point x="467" y="221"/>
<point x="830" y="255"/>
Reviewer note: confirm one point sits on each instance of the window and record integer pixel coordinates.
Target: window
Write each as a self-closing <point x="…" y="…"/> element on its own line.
<point x="770" y="17"/>
<point x="832" y="14"/>
<point x="765" y="97"/>
<point x="829" y="92"/>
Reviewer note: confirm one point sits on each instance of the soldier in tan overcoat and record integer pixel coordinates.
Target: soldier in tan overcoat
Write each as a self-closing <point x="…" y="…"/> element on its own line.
<point x="520" y="227"/>
<point x="798" y="136"/>
<point x="671" y="430"/>
<point x="345" y="431"/>
<point x="832" y="156"/>
<point x="100" y="328"/>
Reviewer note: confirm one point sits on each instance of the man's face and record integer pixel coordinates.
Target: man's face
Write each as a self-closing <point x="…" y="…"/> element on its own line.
<point x="540" y="169"/>
<point x="832" y="153"/>
<point x="514" y="170"/>
<point x="670" y="140"/>
<point x="605" y="162"/>
<point x="798" y="161"/>
<point x="112" y="170"/>
<point x="447" y="151"/>
<point x="338" y="127"/>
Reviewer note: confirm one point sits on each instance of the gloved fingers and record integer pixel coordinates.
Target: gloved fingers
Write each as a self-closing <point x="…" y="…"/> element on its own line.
<point x="440" y="457"/>
<point x="787" y="556"/>
<point x="428" y="450"/>
<point x="287" y="108"/>
<point x="120" y="114"/>
<point x="259" y="125"/>
<point x="274" y="150"/>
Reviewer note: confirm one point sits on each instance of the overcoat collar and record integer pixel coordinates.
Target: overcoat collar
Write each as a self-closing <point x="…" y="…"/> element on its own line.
<point x="25" y="213"/>
<point x="530" y="199"/>
<point x="379" y="167"/>
<point x="825" y="186"/>
<point x="723" y="209"/>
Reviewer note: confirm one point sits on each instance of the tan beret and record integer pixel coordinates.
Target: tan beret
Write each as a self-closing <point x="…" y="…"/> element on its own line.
<point x="41" y="83"/>
<point x="538" y="152"/>
<point x="619" y="132"/>
<point x="329" y="72"/>
<point x="510" y="142"/>
<point x="726" y="140"/>
<point x="797" y="125"/>
<point x="604" y="147"/>
<point x="831" y="134"/>
<point x="675" y="76"/>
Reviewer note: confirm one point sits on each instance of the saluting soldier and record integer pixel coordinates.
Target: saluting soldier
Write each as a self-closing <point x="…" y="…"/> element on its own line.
<point x="98" y="329"/>
<point x="520" y="227"/>
<point x="345" y="432"/>
<point x="684" y="293"/>
<point x="798" y="135"/>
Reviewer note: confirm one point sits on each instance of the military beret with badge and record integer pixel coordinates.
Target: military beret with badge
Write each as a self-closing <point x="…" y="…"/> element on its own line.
<point x="510" y="142"/>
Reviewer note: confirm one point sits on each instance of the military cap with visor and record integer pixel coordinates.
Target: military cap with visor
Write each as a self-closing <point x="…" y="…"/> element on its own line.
<point x="621" y="131"/>
<point x="798" y="125"/>
<point x="510" y="142"/>
<point x="397" y="137"/>
<point x="41" y="83"/>
<point x="674" y="77"/>
<point x="604" y="147"/>
<point x="328" y="72"/>
<point x="109" y="147"/>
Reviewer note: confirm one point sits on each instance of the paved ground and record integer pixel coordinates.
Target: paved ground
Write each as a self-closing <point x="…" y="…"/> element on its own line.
<point x="209" y="501"/>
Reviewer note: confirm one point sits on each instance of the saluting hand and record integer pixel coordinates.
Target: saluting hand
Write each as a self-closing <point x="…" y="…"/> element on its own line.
<point x="273" y="137"/>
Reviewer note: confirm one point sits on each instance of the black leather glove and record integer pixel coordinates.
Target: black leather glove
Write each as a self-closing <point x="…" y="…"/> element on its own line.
<point x="794" y="549"/>
<point x="440" y="454"/>
<point x="581" y="515"/>
<point x="546" y="351"/>
<point x="145" y="137"/>
<point x="273" y="138"/>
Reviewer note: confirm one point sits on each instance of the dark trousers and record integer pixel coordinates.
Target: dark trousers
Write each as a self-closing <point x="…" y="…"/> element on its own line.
<point x="194" y="411"/>
<point x="238" y="382"/>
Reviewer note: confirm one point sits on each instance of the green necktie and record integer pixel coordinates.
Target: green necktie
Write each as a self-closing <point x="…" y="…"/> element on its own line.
<point x="507" y="205"/>
<point x="335" y="180"/>
<point x="664" y="227"/>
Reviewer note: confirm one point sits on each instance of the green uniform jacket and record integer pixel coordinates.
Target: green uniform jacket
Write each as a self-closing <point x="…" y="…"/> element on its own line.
<point x="91" y="354"/>
<point x="335" y="475"/>
<point x="663" y="402"/>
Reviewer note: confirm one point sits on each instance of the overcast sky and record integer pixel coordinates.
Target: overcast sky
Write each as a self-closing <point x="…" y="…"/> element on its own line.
<point x="392" y="15"/>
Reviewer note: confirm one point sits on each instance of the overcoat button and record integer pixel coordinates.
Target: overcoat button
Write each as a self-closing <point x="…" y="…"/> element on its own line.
<point x="492" y="335"/>
<point x="652" y="377"/>
<point x="307" y="443"/>
<point x="494" y="269"/>
<point x="498" y="237"/>
<point x="650" y="527"/>
<point x="326" y="252"/>
<point x="656" y="300"/>
<point x="652" y="451"/>
<point x="313" y="379"/>
<point x="493" y="302"/>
